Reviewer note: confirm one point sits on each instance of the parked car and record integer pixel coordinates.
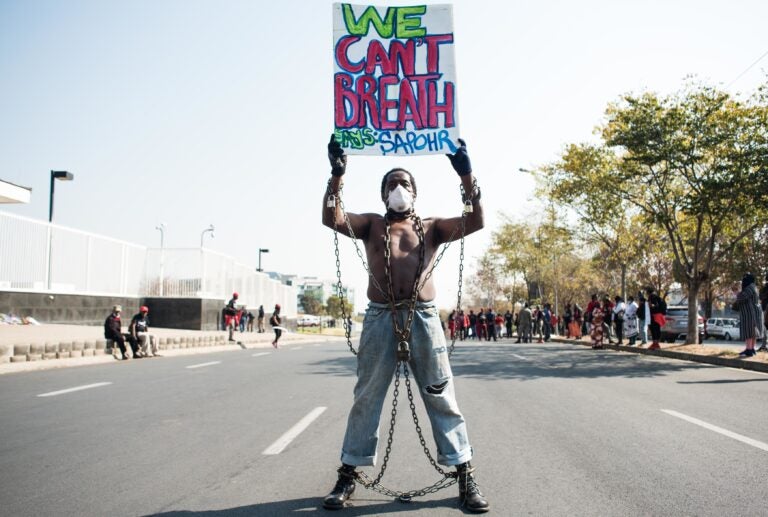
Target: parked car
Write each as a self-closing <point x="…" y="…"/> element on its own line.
<point x="677" y="324"/>
<point x="725" y="328"/>
<point x="308" y="320"/>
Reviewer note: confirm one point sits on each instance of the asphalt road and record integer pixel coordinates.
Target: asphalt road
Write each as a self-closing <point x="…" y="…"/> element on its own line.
<point x="557" y="430"/>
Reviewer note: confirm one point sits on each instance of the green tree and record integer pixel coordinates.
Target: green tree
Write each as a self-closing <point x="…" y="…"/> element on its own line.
<point x="311" y="301"/>
<point x="676" y="160"/>
<point x="333" y="306"/>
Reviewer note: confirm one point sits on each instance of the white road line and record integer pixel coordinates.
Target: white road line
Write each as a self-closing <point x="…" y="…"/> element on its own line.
<point x="293" y="432"/>
<point x="204" y="364"/>
<point x="295" y="348"/>
<point x="724" y="432"/>
<point x="520" y="357"/>
<point x="78" y="388"/>
<point x="260" y="354"/>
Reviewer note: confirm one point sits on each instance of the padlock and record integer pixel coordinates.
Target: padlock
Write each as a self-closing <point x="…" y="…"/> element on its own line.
<point x="468" y="208"/>
<point x="403" y="351"/>
<point x="331" y="203"/>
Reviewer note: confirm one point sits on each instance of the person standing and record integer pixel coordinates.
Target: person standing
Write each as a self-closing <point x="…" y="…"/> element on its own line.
<point x="392" y="241"/>
<point x="452" y="325"/>
<point x="764" y="306"/>
<point x="525" y="321"/>
<point x="275" y="321"/>
<point x="490" y="319"/>
<point x="567" y="318"/>
<point x="630" y="321"/>
<point x="261" y="319"/>
<point x="619" y="308"/>
<point x="508" y="320"/>
<point x="598" y="329"/>
<point x="750" y="315"/>
<point x="250" y="317"/>
<point x="643" y="318"/>
<point x="230" y="316"/>
<point x="658" y="308"/>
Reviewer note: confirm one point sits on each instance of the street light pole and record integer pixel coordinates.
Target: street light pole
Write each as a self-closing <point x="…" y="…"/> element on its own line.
<point x="261" y="250"/>
<point x="55" y="175"/>
<point x="207" y="230"/>
<point x="162" y="256"/>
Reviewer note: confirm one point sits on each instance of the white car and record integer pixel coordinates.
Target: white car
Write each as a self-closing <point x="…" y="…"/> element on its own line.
<point x="308" y="320"/>
<point x="725" y="328"/>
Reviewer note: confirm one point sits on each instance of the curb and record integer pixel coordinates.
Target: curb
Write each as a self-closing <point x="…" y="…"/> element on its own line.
<point x="682" y="356"/>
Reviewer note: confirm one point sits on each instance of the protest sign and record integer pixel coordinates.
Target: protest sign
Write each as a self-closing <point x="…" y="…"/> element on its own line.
<point x="395" y="80"/>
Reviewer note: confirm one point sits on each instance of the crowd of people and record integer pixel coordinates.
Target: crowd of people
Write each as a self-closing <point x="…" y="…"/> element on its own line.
<point x="638" y="320"/>
<point x="236" y="316"/>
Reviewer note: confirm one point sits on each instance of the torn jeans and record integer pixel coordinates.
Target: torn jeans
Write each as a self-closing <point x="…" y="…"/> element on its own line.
<point x="431" y="369"/>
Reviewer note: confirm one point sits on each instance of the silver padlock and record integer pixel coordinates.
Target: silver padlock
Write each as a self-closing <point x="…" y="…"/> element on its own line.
<point x="331" y="203"/>
<point x="468" y="208"/>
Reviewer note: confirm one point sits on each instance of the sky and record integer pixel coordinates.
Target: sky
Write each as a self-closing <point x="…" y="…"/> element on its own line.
<point x="191" y="113"/>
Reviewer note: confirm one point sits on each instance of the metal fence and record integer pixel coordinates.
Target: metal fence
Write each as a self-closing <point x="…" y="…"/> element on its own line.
<point x="37" y="256"/>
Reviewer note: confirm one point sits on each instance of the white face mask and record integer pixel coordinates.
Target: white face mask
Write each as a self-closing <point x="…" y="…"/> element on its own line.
<point x="400" y="200"/>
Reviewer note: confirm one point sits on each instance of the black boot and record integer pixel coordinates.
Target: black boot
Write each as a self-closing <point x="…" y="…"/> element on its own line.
<point x="345" y="487"/>
<point x="469" y="493"/>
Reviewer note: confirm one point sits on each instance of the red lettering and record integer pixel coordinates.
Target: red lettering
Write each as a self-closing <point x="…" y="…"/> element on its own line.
<point x="409" y="107"/>
<point x="435" y="107"/>
<point x="366" y="88"/>
<point x="343" y="96"/>
<point x="378" y="56"/>
<point x="433" y="50"/>
<point x="405" y="54"/>
<point x="386" y="104"/>
<point x="341" y="55"/>
<point x="421" y="89"/>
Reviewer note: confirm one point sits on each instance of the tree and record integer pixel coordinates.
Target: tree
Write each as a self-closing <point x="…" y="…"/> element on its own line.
<point x="676" y="160"/>
<point x="333" y="307"/>
<point x="311" y="301"/>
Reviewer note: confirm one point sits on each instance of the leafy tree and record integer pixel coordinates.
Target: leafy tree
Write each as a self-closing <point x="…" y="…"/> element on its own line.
<point x="333" y="306"/>
<point x="311" y="301"/>
<point x="676" y="160"/>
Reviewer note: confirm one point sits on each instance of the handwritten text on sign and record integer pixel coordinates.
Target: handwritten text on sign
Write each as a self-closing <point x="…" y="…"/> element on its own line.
<point x="394" y="81"/>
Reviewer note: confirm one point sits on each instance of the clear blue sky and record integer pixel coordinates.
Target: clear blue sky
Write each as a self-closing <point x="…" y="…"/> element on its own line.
<point x="198" y="112"/>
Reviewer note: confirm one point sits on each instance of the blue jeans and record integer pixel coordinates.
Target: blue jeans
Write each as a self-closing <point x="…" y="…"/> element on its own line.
<point x="431" y="369"/>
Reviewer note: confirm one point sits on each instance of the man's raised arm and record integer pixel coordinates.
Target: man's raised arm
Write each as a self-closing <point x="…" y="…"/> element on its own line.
<point x="450" y="229"/>
<point x="333" y="215"/>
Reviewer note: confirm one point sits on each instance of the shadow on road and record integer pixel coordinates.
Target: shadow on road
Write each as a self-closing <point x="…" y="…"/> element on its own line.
<point x="494" y="362"/>
<point x="312" y="506"/>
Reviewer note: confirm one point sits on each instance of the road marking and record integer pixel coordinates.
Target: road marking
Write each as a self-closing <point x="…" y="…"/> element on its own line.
<point x="78" y="388"/>
<point x="204" y="364"/>
<point x="295" y="348"/>
<point x="293" y="432"/>
<point x="724" y="432"/>
<point x="520" y="357"/>
<point x="260" y="354"/>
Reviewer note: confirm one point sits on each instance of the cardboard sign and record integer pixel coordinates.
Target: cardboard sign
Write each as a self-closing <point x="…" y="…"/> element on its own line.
<point x="394" y="83"/>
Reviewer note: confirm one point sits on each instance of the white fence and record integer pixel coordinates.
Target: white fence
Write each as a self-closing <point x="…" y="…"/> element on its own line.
<point x="36" y="256"/>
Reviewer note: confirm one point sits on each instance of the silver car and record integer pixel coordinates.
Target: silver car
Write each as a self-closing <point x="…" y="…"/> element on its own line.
<point x="725" y="328"/>
<point x="677" y="324"/>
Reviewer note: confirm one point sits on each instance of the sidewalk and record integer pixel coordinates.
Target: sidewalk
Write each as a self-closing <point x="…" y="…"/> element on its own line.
<point x="697" y="353"/>
<point x="26" y="348"/>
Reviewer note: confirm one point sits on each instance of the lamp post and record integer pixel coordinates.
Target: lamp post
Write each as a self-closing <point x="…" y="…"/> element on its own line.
<point x="261" y="250"/>
<point x="55" y="175"/>
<point x="161" y="228"/>
<point x="207" y="230"/>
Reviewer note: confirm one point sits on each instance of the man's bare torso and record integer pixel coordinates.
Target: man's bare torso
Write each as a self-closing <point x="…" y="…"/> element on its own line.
<point x="405" y="250"/>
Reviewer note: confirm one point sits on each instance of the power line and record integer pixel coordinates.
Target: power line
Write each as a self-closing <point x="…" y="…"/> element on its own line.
<point x="747" y="69"/>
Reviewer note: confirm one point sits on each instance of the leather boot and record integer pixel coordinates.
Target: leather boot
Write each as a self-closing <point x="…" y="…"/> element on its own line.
<point x="470" y="496"/>
<point x="345" y="487"/>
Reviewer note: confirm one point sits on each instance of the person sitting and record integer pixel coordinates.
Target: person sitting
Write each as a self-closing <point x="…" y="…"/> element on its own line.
<point x="113" y="332"/>
<point x="138" y="334"/>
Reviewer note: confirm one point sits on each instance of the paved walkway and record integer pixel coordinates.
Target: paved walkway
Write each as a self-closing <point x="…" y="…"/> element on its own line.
<point x="41" y="347"/>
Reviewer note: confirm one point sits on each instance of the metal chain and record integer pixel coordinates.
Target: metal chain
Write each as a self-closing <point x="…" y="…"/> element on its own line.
<point x="449" y="478"/>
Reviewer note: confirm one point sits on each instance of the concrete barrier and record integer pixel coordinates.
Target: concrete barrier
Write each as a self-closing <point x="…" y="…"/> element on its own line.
<point x="6" y="352"/>
<point x="36" y="352"/>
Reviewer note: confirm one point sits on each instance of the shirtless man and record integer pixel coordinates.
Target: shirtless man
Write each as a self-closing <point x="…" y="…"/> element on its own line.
<point x="377" y="355"/>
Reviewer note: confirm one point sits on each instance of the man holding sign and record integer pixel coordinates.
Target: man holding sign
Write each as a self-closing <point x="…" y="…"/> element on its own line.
<point x="400" y="249"/>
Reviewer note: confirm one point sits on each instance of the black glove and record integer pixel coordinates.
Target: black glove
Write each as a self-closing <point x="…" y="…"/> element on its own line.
<point x="460" y="160"/>
<point x="337" y="157"/>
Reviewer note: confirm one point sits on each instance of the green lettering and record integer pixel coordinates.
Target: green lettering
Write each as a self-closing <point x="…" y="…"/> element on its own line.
<point x="409" y="22"/>
<point x="370" y="16"/>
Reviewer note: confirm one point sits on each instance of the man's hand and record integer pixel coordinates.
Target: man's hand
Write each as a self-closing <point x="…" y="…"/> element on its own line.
<point x="460" y="159"/>
<point x="337" y="157"/>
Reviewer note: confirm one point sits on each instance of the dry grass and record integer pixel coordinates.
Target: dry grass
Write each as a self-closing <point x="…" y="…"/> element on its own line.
<point x="727" y="353"/>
